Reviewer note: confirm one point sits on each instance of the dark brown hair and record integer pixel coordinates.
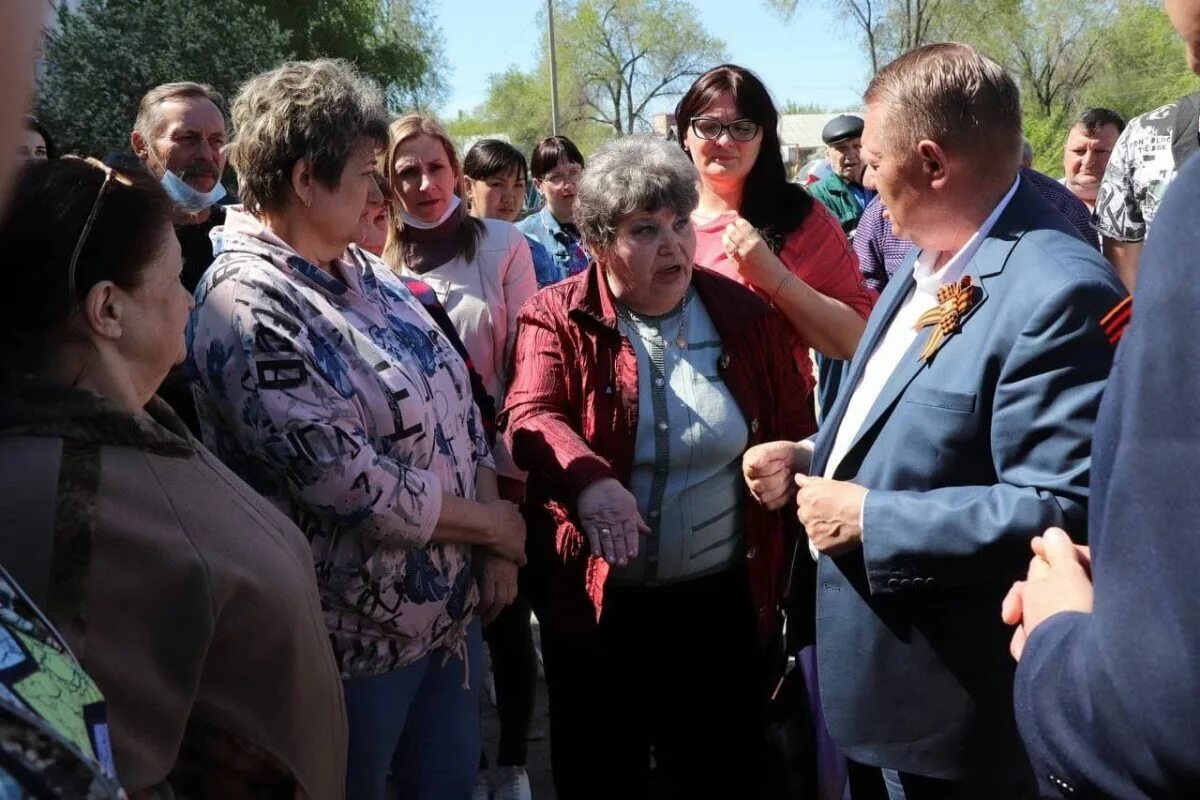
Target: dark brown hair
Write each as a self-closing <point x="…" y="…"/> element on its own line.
<point x="770" y="203"/>
<point x="49" y="210"/>
<point x="549" y="152"/>
<point x="489" y="158"/>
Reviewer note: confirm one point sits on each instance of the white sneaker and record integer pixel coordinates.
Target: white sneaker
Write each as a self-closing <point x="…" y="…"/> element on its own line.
<point x="512" y="783"/>
<point x="482" y="790"/>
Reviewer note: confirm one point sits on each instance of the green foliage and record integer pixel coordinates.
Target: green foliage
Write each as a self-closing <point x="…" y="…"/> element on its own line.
<point x="1066" y="54"/>
<point x="1143" y="64"/>
<point x="395" y="42"/>
<point x="1047" y="133"/>
<point x="105" y="56"/>
<point x="622" y="55"/>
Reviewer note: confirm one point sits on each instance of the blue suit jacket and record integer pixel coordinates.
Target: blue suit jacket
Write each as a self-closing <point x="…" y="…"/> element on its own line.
<point x="966" y="458"/>
<point x="1109" y="702"/>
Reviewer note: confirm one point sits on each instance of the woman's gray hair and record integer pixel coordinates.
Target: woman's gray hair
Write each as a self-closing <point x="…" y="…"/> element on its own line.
<point x="319" y="110"/>
<point x="637" y="173"/>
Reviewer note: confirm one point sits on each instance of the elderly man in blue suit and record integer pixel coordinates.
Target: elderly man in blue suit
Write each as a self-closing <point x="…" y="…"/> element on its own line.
<point x="1108" y="687"/>
<point x="965" y="425"/>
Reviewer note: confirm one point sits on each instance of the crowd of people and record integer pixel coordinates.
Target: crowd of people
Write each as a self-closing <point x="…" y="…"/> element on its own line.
<point x="874" y="488"/>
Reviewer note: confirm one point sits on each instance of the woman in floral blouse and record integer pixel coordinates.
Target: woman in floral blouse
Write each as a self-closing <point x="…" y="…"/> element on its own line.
<point x="325" y="383"/>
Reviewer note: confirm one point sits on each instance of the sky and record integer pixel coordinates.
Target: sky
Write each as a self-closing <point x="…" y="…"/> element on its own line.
<point x="814" y="58"/>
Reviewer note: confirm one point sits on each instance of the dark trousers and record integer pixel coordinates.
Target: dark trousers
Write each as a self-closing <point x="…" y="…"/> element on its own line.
<point x="675" y="670"/>
<point x="514" y="665"/>
<point x="906" y="786"/>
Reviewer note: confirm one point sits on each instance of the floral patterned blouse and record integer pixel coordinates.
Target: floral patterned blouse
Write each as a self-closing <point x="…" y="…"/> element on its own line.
<point x="340" y="399"/>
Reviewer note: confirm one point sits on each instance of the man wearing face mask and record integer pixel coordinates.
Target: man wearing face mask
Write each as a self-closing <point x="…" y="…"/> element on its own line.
<point x="842" y="192"/>
<point x="180" y="136"/>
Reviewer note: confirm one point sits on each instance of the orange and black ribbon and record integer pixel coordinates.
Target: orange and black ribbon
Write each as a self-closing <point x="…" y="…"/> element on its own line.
<point x="954" y="301"/>
<point x="1117" y="320"/>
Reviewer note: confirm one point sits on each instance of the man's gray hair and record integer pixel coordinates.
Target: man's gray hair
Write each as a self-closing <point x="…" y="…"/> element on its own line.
<point x="319" y="110"/>
<point x="148" y="116"/>
<point x="637" y="173"/>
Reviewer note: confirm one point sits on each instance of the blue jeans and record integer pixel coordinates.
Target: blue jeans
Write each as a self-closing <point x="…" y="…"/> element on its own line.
<point x="421" y="714"/>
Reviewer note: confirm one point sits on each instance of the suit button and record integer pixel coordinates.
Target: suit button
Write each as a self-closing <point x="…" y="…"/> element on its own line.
<point x="752" y="551"/>
<point x="893" y="583"/>
<point x="905" y="583"/>
<point x="754" y="425"/>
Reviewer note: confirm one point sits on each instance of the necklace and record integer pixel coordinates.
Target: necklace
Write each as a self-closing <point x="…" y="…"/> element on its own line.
<point x="680" y="340"/>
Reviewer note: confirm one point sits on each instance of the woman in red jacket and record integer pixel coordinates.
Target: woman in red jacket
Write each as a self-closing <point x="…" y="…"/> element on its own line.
<point x="637" y="386"/>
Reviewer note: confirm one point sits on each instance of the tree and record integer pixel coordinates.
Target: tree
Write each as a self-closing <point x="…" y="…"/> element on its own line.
<point x="615" y="59"/>
<point x="103" y="57"/>
<point x="891" y="27"/>
<point x="625" y="54"/>
<point x="395" y="42"/>
<point x="1142" y="62"/>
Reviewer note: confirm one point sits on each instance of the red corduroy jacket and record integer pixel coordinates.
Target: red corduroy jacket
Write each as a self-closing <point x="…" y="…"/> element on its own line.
<point x="571" y="419"/>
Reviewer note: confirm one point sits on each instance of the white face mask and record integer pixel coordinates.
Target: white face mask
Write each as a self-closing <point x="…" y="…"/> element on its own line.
<point x="188" y="197"/>
<point x="412" y="222"/>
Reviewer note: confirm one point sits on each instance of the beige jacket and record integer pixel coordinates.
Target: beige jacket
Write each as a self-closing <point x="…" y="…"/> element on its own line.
<point x="190" y="600"/>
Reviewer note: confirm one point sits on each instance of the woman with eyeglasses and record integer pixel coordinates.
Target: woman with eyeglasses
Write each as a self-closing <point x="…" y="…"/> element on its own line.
<point x="754" y="226"/>
<point x="187" y="597"/>
<point x="557" y="166"/>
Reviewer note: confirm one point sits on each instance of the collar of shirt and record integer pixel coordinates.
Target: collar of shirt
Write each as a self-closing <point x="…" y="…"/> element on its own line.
<point x="929" y="279"/>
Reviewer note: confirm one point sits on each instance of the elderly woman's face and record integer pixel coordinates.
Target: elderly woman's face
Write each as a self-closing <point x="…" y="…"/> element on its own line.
<point x="373" y="225"/>
<point x="424" y="177"/>
<point x="334" y="214"/>
<point x="723" y="159"/>
<point x="156" y="314"/>
<point x="649" y="264"/>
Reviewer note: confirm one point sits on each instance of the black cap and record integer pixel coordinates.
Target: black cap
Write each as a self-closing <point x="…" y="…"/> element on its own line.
<point x="841" y="128"/>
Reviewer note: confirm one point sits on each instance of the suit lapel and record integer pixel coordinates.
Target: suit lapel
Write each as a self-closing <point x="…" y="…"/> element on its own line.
<point x="877" y="326"/>
<point x="987" y="263"/>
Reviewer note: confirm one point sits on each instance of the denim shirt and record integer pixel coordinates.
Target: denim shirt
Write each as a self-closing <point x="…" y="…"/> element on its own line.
<point x="567" y="252"/>
<point x="545" y="270"/>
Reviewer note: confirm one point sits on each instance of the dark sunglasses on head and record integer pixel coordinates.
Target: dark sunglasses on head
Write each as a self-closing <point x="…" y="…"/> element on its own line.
<point x="740" y="130"/>
<point x="110" y="175"/>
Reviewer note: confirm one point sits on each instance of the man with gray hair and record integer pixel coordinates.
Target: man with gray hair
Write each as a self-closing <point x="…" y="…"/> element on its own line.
<point x="965" y="423"/>
<point x="180" y="136"/>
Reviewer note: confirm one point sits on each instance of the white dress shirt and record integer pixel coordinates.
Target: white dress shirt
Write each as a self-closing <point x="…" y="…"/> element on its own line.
<point x="901" y="333"/>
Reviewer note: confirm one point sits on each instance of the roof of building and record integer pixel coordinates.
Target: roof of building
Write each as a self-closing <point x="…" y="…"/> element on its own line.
<point x="804" y="130"/>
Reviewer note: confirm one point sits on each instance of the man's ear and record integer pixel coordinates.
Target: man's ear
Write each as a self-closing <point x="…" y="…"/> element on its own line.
<point x="935" y="164"/>
<point x="104" y="309"/>
<point x="302" y="181"/>
<point x="139" y="146"/>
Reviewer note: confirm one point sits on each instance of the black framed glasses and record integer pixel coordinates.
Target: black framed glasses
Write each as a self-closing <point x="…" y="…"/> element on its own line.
<point x="110" y="175"/>
<point x="740" y="130"/>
